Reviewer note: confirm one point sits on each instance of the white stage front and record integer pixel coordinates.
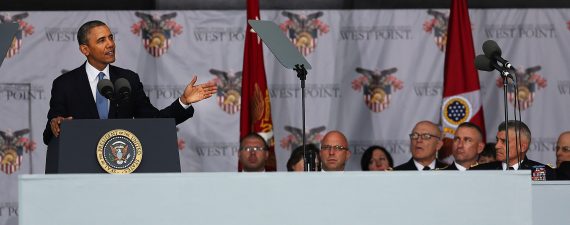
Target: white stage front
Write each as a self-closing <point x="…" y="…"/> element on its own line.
<point x="443" y="197"/>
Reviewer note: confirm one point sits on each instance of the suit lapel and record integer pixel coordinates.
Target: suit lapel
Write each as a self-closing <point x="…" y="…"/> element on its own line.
<point x="84" y="92"/>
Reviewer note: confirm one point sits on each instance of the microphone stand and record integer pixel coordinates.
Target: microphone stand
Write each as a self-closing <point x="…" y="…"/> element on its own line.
<point x="505" y="75"/>
<point x="308" y="157"/>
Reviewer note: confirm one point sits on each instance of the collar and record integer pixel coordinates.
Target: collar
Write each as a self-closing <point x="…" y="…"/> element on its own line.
<point x="92" y="72"/>
<point x="515" y="166"/>
<point x="459" y="166"/>
<point x="420" y="166"/>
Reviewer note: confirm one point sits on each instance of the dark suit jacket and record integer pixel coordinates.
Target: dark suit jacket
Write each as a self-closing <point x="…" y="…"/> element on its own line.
<point x="451" y="167"/>
<point x="411" y="166"/>
<point x="526" y="164"/>
<point x="71" y="96"/>
<point x="563" y="171"/>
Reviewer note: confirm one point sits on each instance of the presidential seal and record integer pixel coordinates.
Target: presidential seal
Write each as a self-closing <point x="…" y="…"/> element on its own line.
<point x="119" y="152"/>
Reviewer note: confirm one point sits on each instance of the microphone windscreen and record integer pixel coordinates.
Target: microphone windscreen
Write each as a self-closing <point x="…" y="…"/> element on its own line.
<point x="105" y="87"/>
<point x="483" y="63"/>
<point x="122" y="85"/>
<point x="491" y="49"/>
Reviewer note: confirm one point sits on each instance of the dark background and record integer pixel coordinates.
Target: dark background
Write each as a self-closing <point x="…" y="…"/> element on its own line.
<point x="41" y="5"/>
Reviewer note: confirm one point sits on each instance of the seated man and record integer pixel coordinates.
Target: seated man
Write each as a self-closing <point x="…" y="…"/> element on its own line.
<point x="467" y="144"/>
<point x="253" y="152"/>
<point x="334" y="151"/>
<point x="563" y="156"/>
<point x="517" y="159"/>
<point x="425" y="141"/>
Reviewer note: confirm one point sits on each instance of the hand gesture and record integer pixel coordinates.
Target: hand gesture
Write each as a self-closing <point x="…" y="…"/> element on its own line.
<point x="195" y="93"/>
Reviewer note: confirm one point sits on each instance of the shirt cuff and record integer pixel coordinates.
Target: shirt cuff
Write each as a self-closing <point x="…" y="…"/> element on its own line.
<point x="184" y="105"/>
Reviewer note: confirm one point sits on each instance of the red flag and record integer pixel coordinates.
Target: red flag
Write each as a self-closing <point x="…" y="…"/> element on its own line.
<point x="256" y="105"/>
<point x="461" y="90"/>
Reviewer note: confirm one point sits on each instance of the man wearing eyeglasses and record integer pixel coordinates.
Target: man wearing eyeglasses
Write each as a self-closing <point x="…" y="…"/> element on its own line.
<point x="563" y="156"/>
<point x="253" y="153"/>
<point x="467" y="144"/>
<point x="517" y="156"/>
<point x="334" y="151"/>
<point x="425" y="141"/>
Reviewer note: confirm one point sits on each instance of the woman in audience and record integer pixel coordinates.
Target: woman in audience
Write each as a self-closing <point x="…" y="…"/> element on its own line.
<point x="296" y="161"/>
<point x="376" y="158"/>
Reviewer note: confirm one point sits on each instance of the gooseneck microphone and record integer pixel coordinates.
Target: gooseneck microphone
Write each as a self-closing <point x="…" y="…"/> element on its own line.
<point x="123" y="89"/>
<point x="105" y="87"/>
<point x="493" y="51"/>
<point x="482" y="62"/>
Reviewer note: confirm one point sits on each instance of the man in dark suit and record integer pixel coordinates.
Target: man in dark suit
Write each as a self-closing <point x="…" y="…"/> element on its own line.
<point x="74" y="94"/>
<point x="517" y="156"/>
<point x="467" y="144"/>
<point x="563" y="156"/>
<point x="425" y="141"/>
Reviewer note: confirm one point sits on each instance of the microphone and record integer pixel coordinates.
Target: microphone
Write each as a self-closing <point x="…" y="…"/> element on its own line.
<point x="123" y="88"/>
<point x="493" y="51"/>
<point x="105" y="87"/>
<point x="485" y="64"/>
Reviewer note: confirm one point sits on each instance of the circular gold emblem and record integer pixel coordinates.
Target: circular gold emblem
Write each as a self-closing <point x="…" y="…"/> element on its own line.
<point x="9" y="157"/>
<point x="119" y="152"/>
<point x="232" y="97"/>
<point x="524" y="93"/>
<point x="377" y="96"/>
<point x="304" y="39"/>
<point x="157" y="40"/>
<point x="456" y="110"/>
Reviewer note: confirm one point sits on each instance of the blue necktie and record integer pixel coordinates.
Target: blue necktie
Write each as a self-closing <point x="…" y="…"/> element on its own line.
<point x="102" y="104"/>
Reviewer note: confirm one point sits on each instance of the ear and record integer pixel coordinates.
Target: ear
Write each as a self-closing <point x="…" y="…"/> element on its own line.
<point x="524" y="146"/>
<point x="348" y="154"/>
<point x="266" y="155"/>
<point x="480" y="148"/>
<point x="439" y="145"/>
<point x="84" y="49"/>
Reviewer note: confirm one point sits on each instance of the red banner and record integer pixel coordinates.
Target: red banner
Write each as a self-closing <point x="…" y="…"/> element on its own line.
<point x="461" y="89"/>
<point x="256" y="105"/>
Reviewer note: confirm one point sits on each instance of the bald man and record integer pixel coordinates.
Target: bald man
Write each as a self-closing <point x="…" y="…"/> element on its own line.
<point x="425" y="141"/>
<point x="563" y="156"/>
<point x="334" y="151"/>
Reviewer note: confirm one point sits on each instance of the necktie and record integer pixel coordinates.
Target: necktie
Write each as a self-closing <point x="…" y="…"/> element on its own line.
<point x="426" y="168"/>
<point x="102" y="104"/>
<point x="511" y="168"/>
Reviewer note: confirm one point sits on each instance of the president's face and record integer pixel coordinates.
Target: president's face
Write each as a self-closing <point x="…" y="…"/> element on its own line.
<point x="100" y="47"/>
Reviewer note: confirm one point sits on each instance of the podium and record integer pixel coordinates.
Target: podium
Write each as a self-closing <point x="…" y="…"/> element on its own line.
<point x="75" y="151"/>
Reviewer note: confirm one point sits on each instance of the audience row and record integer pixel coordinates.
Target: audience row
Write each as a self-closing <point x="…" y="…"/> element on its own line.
<point x="468" y="149"/>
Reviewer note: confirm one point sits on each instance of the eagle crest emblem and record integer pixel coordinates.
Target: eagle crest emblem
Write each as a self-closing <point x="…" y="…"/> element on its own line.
<point x="295" y="137"/>
<point x="529" y="82"/>
<point x="12" y="148"/>
<point x="438" y="26"/>
<point x="24" y="29"/>
<point x="377" y="87"/>
<point x="229" y="90"/>
<point x="156" y="31"/>
<point x="303" y="30"/>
